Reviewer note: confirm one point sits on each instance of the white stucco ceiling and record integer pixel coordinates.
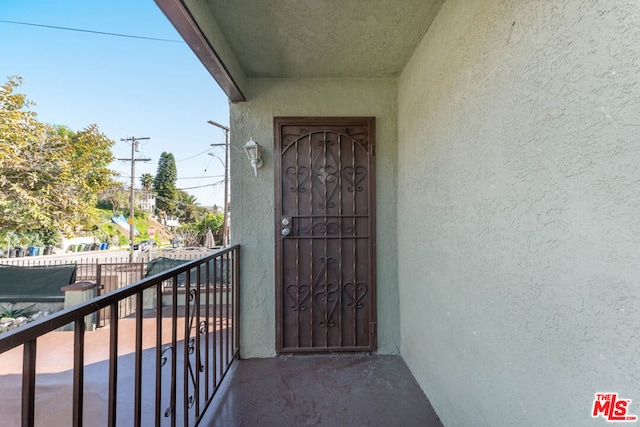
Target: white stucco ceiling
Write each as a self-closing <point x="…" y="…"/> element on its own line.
<point x="323" y="38"/>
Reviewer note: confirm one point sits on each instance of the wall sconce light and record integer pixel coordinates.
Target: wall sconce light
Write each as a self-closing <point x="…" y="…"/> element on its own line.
<point x="254" y="153"/>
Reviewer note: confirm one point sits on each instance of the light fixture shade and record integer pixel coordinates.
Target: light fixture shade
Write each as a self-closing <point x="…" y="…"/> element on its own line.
<point x="254" y="154"/>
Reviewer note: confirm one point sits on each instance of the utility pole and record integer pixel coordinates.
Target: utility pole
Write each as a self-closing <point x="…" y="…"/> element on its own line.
<point x="225" y="220"/>
<point x="134" y="147"/>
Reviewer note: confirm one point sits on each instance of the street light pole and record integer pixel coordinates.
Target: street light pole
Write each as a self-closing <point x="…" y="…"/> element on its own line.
<point x="225" y="220"/>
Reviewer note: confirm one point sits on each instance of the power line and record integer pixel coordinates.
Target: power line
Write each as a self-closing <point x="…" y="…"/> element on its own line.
<point x="124" y="175"/>
<point x="195" y="155"/>
<point x="179" y="201"/>
<point x="104" y="33"/>
<point x="204" y="171"/>
<point x="202" y="186"/>
<point x="201" y="177"/>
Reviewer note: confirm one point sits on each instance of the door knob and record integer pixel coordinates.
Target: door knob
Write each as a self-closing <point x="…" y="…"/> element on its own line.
<point x="286" y="231"/>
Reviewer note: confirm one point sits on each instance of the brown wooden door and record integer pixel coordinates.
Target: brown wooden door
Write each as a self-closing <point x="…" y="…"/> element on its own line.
<point x="325" y="234"/>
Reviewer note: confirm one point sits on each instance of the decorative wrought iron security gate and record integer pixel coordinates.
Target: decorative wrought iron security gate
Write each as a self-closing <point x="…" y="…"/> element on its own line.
<point x="325" y="234"/>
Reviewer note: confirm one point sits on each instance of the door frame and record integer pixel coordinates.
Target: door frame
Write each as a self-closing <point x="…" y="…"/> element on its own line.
<point x="278" y="123"/>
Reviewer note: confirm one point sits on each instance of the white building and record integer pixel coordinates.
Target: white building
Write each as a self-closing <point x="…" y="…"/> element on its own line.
<point x="145" y="201"/>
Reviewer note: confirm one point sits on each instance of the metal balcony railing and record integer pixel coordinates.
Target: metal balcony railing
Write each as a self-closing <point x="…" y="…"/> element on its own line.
<point x="186" y="336"/>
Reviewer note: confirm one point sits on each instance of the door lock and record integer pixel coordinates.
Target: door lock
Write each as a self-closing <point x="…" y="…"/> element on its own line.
<point x="286" y="222"/>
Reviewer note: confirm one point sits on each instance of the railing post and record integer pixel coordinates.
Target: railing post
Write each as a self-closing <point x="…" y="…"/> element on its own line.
<point x="138" y="362"/>
<point x="78" y="372"/>
<point x="236" y="320"/>
<point x="174" y="350"/>
<point x="28" y="383"/>
<point x="196" y="376"/>
<point x="113" y="365"/>
<point x="159" y="354"/>
<point x="227" y="310"/>
<point x="185" y="349"/>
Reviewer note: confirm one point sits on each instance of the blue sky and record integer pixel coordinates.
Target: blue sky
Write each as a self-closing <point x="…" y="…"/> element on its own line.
<point x="128" y="87"/>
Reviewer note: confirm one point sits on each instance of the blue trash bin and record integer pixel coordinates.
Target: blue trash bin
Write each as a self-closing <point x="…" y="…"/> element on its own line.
<point x="32" y="250"/>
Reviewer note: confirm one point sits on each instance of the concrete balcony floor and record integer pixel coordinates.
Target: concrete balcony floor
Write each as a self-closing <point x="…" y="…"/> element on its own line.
<point x="332" y="390"/>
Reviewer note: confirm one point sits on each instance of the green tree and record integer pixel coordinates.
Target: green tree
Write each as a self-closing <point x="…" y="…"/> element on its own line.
<point x="91" y="154"/>
<point x="117" y="197"/>
<point x="146" y="180"/>
<point x="164" y="183"/>
<point x="212" y="221"/>
<point x="189" y="234"/>
<point x="49" y="177"/>
<point x="188" y="206"/>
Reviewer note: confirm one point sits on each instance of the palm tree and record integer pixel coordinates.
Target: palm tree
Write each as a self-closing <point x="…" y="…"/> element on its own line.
<point x="146" y="179"/>
<point x="190" y="207"/>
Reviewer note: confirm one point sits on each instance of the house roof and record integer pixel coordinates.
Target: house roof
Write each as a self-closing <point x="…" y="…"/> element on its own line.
<point x="239" y="39"/>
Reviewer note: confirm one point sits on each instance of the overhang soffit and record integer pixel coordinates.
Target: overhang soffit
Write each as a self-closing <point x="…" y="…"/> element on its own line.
<point x="323" y="38"/>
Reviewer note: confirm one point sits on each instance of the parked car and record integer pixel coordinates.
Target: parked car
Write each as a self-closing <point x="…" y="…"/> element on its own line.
<point x="145" y="245"/>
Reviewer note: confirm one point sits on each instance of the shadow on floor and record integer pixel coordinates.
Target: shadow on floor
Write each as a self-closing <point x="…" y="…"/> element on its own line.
<point x="333" y="390"/>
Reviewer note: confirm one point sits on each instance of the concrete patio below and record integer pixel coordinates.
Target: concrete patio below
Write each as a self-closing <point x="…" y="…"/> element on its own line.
<point x="332" y="390"/>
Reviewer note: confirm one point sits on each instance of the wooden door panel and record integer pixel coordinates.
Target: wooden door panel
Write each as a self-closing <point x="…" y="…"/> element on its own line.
<point x="325" y="262"/>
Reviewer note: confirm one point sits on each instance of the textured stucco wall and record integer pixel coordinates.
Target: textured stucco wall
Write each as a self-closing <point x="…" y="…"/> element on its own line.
<point x="252" y="207"/>
<point x="519" y="210"/>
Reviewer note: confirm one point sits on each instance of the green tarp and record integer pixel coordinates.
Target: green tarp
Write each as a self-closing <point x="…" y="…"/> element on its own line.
<point x="35" y="283"/>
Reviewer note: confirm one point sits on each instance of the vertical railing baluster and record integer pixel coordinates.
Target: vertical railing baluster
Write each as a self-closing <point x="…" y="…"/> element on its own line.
<point x="215" y="321"/>
<point x="223" y="315"/>
<point x="174" y="348"/>
<point x="233" y="306"/>
<point x="208" y="327"/>
<point x="236" y="285"/>
<point x="159" y="344"/>
<point x="220" y="341"/>
<point x="198" y="362"/>
<point x="99" y="291"/>
<point x="232" y="316"/>
<point x="185" y="358"/>
<point x="138" y="363"/>
<point x="28" y="383"/>
<point x="113" y="364"/>
<point x="226" y="306"/>
<point x="78" y="372"/>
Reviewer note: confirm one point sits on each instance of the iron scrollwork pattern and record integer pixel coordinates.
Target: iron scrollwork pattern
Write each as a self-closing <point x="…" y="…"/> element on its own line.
<point x="326" y="229"/>
<point x="326" y="171"/>
<point x="297" y="177"/>
<point x="326" y="293"/>
<point x="354" y="177"/>
<point x="327" y="297"/>
<point x="354" y="294"/>
<point x="299" y="295"/>
<point x="164" y="357"/>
